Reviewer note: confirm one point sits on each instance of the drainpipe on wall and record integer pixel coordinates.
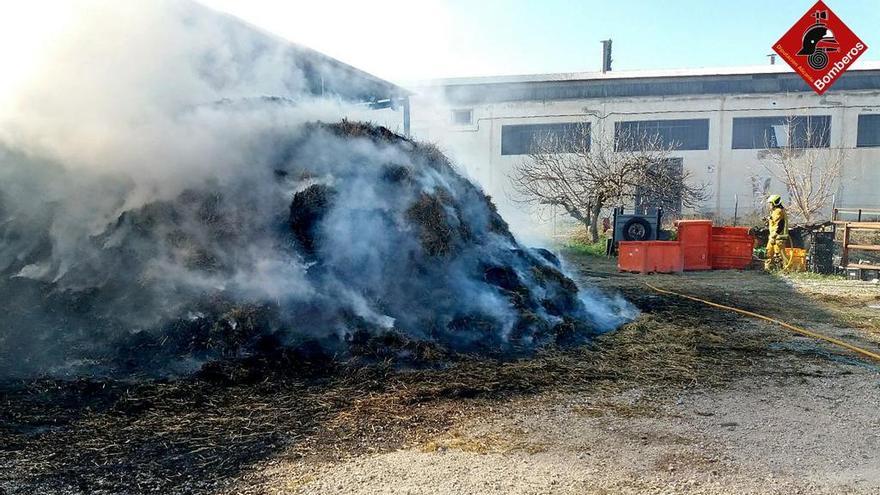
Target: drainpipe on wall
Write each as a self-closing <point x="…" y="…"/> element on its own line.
<point x="406" y="118"/>
<point x="720" y="158"/>
<point x="844" y="111"/>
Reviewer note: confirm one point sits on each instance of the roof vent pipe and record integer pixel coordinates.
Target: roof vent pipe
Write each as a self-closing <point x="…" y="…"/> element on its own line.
<point x="606" y="56"/>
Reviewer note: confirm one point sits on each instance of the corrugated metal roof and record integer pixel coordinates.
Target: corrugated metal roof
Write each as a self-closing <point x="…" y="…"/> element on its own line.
<point x="766" y="79"/>
<point x="779" y="68"/>
<point x="324" y="73"/>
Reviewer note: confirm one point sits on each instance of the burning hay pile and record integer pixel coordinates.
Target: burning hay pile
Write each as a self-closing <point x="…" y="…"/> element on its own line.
<point x="168" y="216"/>
<point x="341" y="239"/>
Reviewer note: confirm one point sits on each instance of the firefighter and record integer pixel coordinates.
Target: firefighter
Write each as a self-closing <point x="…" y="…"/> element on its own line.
<point x="778" y="223"/>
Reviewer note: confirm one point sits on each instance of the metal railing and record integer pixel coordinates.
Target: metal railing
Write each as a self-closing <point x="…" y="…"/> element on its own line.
<point x="859" y="213"/>
<point x="859" y="224"/>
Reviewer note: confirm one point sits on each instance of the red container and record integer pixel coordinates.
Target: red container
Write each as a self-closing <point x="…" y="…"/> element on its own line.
<point x="650" y="256"/>
<point x="731" y="252"/>
<point x="695" y="237"/>
<point x="734" y="231"/>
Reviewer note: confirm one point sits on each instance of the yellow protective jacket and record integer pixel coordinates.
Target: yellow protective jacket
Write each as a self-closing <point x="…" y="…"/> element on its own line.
<point x="778" y="224"/>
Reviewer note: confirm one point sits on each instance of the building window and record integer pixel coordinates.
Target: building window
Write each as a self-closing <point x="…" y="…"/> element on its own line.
<point x="567" y="137"/>
<point x="683" y="134"/>
<point x="647" y="199"/>
<point x="750" y="133"/>
<point x="869" y="131"/>
<point x="463" y="117"/>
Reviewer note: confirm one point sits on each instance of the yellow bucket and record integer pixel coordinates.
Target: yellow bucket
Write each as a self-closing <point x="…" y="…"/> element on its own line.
<point x="795" y="259"/>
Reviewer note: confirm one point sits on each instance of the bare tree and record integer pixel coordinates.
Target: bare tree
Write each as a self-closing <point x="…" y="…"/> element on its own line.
<point x="760" y="191"/>
<point x="584" y="172"/>
<point x="798" y="155"/>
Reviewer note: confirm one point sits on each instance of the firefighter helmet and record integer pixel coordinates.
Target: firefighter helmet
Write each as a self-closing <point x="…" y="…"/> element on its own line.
<point x="775" y="200"/>
<point x="811" y="39"/>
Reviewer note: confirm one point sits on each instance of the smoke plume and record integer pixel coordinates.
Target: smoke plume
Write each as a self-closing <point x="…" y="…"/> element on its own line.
<point x="167" y="197"/>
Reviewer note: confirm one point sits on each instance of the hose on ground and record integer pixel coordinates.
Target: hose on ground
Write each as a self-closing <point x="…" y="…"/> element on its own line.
<point x="798" y="330"/>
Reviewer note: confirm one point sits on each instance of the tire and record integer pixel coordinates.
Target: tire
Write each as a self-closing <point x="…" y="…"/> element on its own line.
<point x="637" y="229"/>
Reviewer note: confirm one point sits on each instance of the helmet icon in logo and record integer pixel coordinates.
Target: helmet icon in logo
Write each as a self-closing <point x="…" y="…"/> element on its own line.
<point x="818" y="41"/>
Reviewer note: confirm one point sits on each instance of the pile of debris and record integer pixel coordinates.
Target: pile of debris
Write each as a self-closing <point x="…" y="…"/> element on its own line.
<point x="343" y="240"/>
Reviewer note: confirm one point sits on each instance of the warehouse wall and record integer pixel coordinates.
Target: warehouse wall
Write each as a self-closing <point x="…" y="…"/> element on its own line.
<point x="728" y="172"/>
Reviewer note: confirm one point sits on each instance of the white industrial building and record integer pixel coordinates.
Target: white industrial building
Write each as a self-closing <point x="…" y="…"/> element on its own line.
<point x="720" y="120"/>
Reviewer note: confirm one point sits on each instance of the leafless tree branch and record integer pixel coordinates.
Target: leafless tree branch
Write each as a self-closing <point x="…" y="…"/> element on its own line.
<point x="586" y="171"/>
<point x="808" y="169"/>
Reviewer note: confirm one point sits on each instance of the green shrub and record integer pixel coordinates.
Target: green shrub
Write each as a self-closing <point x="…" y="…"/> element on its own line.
<point x="587" y="248"/>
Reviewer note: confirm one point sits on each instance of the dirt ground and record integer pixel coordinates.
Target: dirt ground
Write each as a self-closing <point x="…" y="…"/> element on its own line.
<point x="686" y="399"/>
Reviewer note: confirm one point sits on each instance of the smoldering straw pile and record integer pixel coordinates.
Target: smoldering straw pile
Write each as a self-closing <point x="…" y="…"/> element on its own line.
<point x="155" y="220"/>
<point x="346" y="237"/>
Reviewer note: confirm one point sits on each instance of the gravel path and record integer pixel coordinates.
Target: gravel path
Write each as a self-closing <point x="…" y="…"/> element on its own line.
<point x="805" y="419"/>
<point x="814" y="434"/>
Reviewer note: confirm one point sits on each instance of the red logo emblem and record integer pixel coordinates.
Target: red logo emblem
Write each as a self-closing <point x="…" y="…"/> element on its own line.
<point x="820" y="47"/>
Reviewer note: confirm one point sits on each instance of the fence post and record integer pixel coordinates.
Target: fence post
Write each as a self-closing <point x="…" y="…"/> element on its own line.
<point x="735" y="208"/>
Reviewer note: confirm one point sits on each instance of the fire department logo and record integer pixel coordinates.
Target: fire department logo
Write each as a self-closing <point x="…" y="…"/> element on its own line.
<point x="820" y="47"/>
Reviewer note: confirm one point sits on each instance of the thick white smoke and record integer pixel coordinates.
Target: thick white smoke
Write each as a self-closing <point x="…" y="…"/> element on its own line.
<point x="122" y="106"/>
<point x="128" y="89"/>
<point x="146" y="181"/>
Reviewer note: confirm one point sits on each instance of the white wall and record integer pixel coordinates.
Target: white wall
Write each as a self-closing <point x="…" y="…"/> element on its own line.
<point x="477" y="147"/>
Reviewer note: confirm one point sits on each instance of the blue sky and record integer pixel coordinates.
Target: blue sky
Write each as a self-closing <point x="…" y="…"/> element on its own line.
<point x="406" y="40"/>
<point x="563" y="35"/>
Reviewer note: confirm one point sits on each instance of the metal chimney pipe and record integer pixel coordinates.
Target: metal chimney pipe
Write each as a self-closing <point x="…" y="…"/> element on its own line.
<point x="606" y="55"/>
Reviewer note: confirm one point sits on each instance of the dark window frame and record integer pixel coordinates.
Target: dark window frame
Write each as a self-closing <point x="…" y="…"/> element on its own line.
<point x="678" y="134"/>
<point x="868" y="134"/>
<point x="461" y="111"/>
<point x="517" y="139"/>
<point x="756" y="133"/>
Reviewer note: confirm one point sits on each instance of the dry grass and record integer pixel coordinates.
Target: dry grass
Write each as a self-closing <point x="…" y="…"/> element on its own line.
<point x="162" y="435"/>
<point x="198" y="436"/>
